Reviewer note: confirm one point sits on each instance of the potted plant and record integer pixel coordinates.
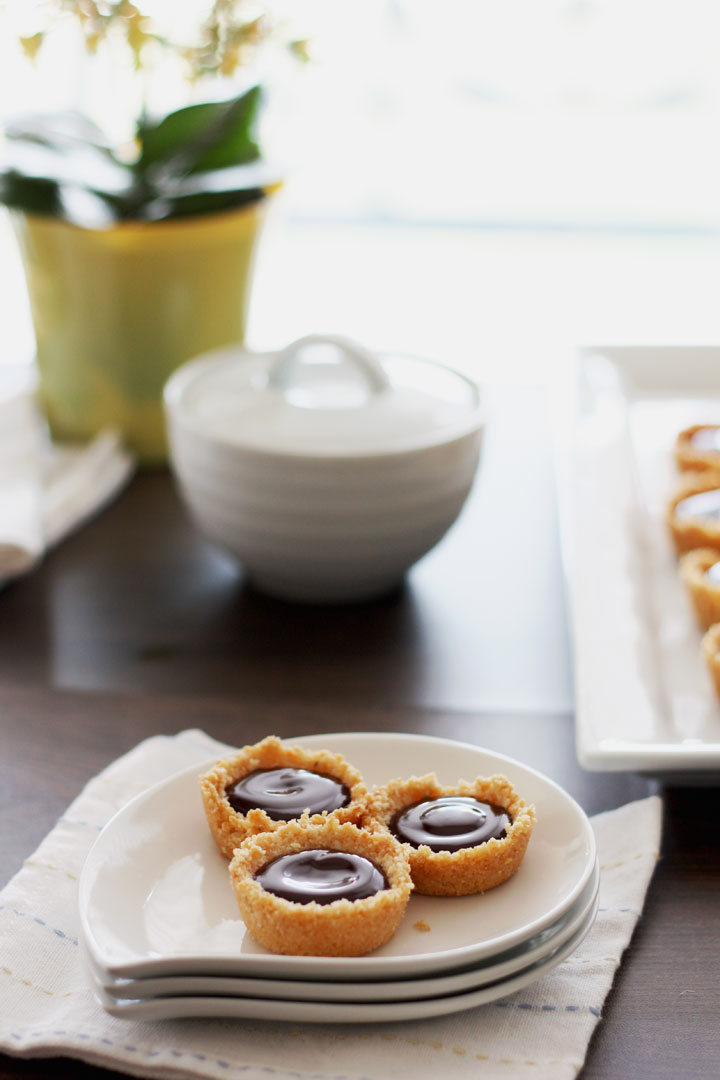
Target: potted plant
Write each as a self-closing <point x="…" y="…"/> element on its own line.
<point x="137" y="255"/>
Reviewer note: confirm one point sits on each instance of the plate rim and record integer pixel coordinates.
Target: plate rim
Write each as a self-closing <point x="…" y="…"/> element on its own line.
<point x="433" y="984"/>
<point x="430" y="961"/>
<point x="374" y="1012"/>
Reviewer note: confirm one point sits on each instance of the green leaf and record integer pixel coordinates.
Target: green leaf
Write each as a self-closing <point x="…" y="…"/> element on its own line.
<point x="32" y="194"/>
<point x="200" y="202"/>
<point x="212" y="135"/>
<point x="210" y="192"/>
<point x="70" y="202"/>
<point x="82" y="165"/>
<point x="198" y="160"/>
<point x="60" y="165"/>
<point x="60" y="131"/>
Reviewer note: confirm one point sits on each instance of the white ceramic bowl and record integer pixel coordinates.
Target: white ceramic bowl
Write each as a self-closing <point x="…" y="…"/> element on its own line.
<point x="321" y="505"/>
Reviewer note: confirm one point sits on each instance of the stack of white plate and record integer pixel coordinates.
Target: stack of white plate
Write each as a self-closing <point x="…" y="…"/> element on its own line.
<point x="163" y="938"/>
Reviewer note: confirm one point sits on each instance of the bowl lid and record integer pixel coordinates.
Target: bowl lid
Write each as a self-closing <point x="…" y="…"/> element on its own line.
<point x="323" y="395"/>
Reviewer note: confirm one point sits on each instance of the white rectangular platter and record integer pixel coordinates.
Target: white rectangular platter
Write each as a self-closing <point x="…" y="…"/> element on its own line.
<point x="644" y="701"/>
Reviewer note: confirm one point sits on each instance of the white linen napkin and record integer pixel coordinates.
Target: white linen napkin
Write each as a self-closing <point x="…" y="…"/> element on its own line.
<point x="47" y="1007"/>
<point x="47" y="491"/>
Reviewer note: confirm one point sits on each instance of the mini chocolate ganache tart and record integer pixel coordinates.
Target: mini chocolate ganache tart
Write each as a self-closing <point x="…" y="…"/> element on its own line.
<point x="264" y="786"/>
<point x="700" y="573"/>
<point x="459" y="840"/>
<point x="327" y="889"/>
<point x="710" y="649"/>
<point x="693" y="513"/>
<point x="698" y="447"/>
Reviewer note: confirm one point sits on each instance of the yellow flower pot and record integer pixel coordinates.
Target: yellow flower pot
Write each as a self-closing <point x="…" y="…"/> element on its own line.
<point x="116" y="311"/>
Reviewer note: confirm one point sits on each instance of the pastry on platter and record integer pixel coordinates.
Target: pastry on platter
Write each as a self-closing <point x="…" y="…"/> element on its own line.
<point x="698" y="447"/>
<point x="262" y="787"/>
<point x="711" y="655"/>
<point x="459" y="840"/>
<point x="700" y="573"/>
<point x="693" y="513"/>
<point x="321" y="889"/>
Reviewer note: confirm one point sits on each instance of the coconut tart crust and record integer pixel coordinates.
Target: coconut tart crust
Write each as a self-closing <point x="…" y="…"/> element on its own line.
<point x="470" y="869"/>
<point x="340" y="928"/>
<point x="710" y="648"/>
<point x="704" y="593"/>
<point x="230" y="828"/>
<point x="692" y="457"/>
<point x="687" y="531"/>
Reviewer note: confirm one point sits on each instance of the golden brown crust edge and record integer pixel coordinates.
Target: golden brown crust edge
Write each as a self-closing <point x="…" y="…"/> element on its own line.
<point x="230" y="828"/>
<point x="690" y="533"/>
<point x="342" y="928"/>
<point x="688" y="457"/>
<point x="704" y="595"/>
<point x="470" y="870"/>
<point x="710" y="648"/>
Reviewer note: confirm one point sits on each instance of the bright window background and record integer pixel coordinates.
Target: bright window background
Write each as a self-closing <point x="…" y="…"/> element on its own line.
<point x="531" y="112"/>
<point x="481" y="181"/>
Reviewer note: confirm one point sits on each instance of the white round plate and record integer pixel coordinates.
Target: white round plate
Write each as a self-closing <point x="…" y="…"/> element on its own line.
<point x="482" y="974"/>
<point x="329" y="1012"/>
<point x="155" y="897"/>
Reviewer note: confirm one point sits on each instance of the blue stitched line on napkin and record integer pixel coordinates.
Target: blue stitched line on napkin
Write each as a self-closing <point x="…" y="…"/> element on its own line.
<point x="40" y="922"/>
<point x="527" y="1007"/>
<point x="82" y="824"/>
<point x="624" y="910"/>
<point x="269" y="1069"/>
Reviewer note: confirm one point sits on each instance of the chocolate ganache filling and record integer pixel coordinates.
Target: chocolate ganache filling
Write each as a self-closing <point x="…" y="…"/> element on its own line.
<point x="451" y="823"/>
<point x="707" y="439"/>
<point x="322" y="876"/>
<point x="285" y="793"/>
<point x="706" y="504"/>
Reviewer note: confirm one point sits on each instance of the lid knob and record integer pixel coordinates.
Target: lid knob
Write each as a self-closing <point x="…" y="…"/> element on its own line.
<point x="283" y="369"/>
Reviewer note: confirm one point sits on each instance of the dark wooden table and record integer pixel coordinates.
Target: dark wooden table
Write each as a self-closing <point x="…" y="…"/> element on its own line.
<point x="137" y="626"/>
